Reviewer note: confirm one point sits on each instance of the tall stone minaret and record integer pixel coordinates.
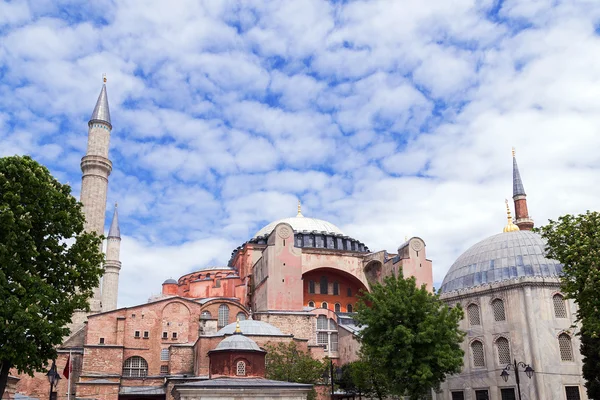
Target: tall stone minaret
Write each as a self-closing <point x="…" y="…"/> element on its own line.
<point x="96" y="168"/>
<point x="522" y="219"/>
<point x="112" y="265"/>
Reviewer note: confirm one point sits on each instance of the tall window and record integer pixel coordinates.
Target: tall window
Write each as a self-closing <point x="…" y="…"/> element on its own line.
<point x="498" y="308"/>
<point x="223" y="315"/>
<point x="349" y="292"/>
<point x="336" y="288"/>
<point x="508" y="394"/>
<point x="477" y="352"/>
<point x="324" y="284"/>
<point x="311" y="286"/>
<point x="349" y="308"/>
<point x="337" y="307"/>
<point x="503" y="350"/>
<point x="164" y="355"/>
<point x="327" y="333"/>
<point x="241" y="316"/>
<point x="241" y="368"/>
<point x="164" y="369"/>
<point x="473" y="313"/>
<point x="572" y="392"/>
<point x="135" y="366"/>
<point x="324" y="305"/>
<point x="566" y="349"/>
<point x="560" y="309"/>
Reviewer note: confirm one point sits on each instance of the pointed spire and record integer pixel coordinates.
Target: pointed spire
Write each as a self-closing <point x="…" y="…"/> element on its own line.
<point x="299" y="209"/>
<point x="101" y="112"/>
<point x="510" y="227"/>
<point x="518" y="189"/>
<point x="114" y="230"/>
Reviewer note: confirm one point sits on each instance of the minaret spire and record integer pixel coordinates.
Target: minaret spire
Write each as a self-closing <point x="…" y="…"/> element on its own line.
<point x="520" y="199"/>
<point x="112" y="265"/>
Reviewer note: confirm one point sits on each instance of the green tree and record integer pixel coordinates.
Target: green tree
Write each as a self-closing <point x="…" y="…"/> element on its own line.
<point x="411" y="335"/>
<point x="285" y="362"/>
<point x="48" y="266"/>
<point x="574" y="240"/>
<point x="365" y="378"/>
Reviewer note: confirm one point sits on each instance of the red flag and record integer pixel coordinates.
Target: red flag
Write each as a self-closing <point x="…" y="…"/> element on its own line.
<point x="67" y="370"/>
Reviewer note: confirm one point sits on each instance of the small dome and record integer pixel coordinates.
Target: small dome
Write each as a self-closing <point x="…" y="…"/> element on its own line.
<point x="238" y="342"/>
<point x="251" y="327"/>
<point x="501" y="257"/>
<point x="170" y="282"/>
<point x="300" y="223"/>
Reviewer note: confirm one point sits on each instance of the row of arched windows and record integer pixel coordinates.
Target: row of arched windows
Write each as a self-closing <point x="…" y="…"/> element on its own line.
<point x="474" y="316"/>
<point x="137" y="367"/>
<point x="502" y="345"/>
<point x="337" y="307"/>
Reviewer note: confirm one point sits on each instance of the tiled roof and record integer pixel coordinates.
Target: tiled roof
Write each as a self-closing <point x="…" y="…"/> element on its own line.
<point x="238" y="342"/>
<point x="251" y="327"/>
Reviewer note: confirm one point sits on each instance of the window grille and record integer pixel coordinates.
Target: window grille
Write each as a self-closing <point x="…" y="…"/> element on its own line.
<point x="311" y="303"/>
<point x="560" y="309"/>
<point x="572" y="392"/>
<point x="223" y="315"/>
<point x="311" y="286"/>
<point x="324" y="304"/>
<point x="322" y="338"/>
<point x="101" y="340"/>
<point x="136" y="334"/>
<point x="566" y="350"/>
<point x="146" y="334"/>
<point x="478" y="355"/>
<point x="174" y="335"/>
<point x="205" y="314"/>
<point x="135" y="366"/>
<point x="334" y="341"/>
<point x="473" y="312"/>
<point x="241" y="316"/>
<point x="508" y="394"/>
<point x="241" y="368"/>
<point x="338" y="307"/>
<point x="498" y="308"/>
<point x="481" y="395"/>
<point x="458" y="395"/>
<point x="324" y="284"/>
<point x="164" y="355"/>
<point x="164" y="369"/>
<point x="503" y="351"/>
<point x="165" y="335"/>
<point x="349" y="308"/>
<point x="336" y="288"/>
<point x="332" y="325"/>
<point x="321" y="322"/>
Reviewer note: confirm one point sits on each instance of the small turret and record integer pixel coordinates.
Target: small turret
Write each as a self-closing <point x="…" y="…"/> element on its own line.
<point x="112" y="265"/>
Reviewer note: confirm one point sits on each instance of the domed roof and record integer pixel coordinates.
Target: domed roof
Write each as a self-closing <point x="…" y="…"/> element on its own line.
<point x="170" y="281"/>
<point x="501" y="257"/>
<point x="238" y="342"/>
<point x="301" y="223"/>
<point x="251" y="327"/>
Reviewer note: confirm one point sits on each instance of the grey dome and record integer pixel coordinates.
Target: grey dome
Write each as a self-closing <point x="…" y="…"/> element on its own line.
<point x="251" y="327"/>
<point x="170" y="281"/>
<point x="501" y="257"/>
<point x="301" y="223"/>
<point x="238" y="342"/>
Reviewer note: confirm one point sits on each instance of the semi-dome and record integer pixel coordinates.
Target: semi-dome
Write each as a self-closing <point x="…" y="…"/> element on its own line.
<point x="251" y="327"/>
<point x="501" y="257"/>
<point x="300" y="223"/>
<point x="237" y="342"/>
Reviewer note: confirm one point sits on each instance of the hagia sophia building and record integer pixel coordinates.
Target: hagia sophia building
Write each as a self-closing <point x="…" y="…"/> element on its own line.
<point x="298" y="279"/>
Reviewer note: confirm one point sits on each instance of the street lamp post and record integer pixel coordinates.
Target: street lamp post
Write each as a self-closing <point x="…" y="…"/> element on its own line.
<point x="53" y="378"/>
<point x="337" y="376"/>
<point x="526" y="367"/>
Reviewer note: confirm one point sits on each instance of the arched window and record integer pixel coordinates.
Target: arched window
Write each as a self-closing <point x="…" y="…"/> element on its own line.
<point x="349" y="307"/>
<point x="337" y="307"/>
<point x="205" y="315"/>
<point x="503" y="350"/>
<point x="566" y="349"/>
<point x="498" y="308"/>
<point x="324" y="304"/>
<point x="560" y="309"/>
<point x="477" y="353"/>
<point x="241" y="368"/>
<point x="327" y="333"/>
<point x="135" y="366"/>
<point x="473" y="313"/>
<point x="311" y="303"/>
<point x="241" y="316"/>
<point x="223" y="315"/>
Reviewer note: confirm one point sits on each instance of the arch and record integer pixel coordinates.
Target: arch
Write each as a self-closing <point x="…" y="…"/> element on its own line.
<point x="498" y="310"/>
<point x="324" y="305"/>
<point x="337" y="307"/>
<point x="503" y="350"/>
<point x="223" y="315"/>
<point x="477" y="353"/>
<point x="565" y="347"/>
<point x="349" y="308"/>
<point x="240" y="316"/>
<point x="560" y="307"/>
<point x="373" y="271"/>
<point x="473" y="314"/>
<point x="241" y="368"/>
<point x="135" y="366"/>
<point x="205" y="315"/>
<point x="311" y="303"/>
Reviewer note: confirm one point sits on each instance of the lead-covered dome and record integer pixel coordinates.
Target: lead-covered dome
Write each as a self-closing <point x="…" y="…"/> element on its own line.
<point x="239" y="343"/>
<point x="300" y="223"/>
<point x="501" y="257"/>
<point x="251" y="327"/>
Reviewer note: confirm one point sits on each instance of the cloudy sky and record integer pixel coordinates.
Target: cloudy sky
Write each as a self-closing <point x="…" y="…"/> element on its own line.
<point x="386" y="118"/>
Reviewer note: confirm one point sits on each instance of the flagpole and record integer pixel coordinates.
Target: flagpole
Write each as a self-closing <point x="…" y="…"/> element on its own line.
<point x="69" y="380"/>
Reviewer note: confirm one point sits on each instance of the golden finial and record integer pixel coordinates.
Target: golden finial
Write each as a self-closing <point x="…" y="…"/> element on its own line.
<point x="510" y="227"/>
<point x="104" y="77"/>
<point x="513" y="152"/>
<point x="237" y="326"/>
<point x="299" y="210"/>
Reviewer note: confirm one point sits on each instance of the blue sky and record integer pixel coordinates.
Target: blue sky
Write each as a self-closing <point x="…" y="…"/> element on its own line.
<point x="387" y="118"/>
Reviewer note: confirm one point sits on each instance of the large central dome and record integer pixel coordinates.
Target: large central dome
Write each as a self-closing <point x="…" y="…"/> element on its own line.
<point x="501" y="257"/>
<point x="301" y="223"/>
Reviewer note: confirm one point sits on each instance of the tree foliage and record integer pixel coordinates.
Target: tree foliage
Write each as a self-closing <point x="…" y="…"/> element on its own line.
<point x="411" y="335"/>
<point x="574" y="240"/>
<point x="365" y="378"/>
<point x="48" y="266"/>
